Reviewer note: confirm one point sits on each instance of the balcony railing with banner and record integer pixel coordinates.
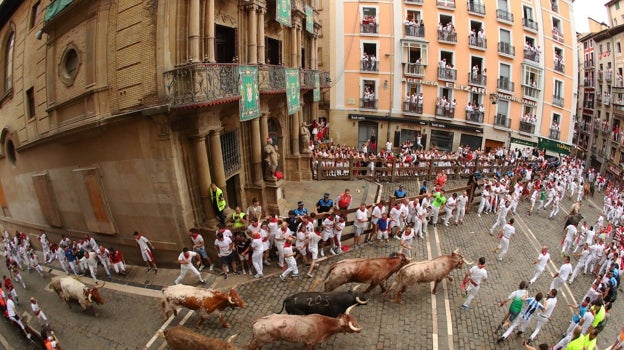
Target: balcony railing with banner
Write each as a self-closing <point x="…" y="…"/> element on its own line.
<point x="271" y="78"/>
<point x="477" y="79"/>
<point x="554" y="134"/>
<point x="531" y="55"/>
<point x="504" y="84"/>
<point x="506" y="49"/>
<point x="444" y="112"/>
<point x="531" y="92"/>
<point x="409" y="107"/>
<point x="556" y="34"/>
<point x="477" y="8"/>
<point x="306" y="77"/>
<point x="530" y="24"/>
<point x="447" y="73"/>
<point x="368" y="103"/>
<point x="474" y="117"/>
<point x="558" y="100"/>
<point x="476" y="42"/>
<point x="201" y="82"/>
<point x="369" y="28"/>
<point x="527" y="127"/>
<point x="446" y="36"/>
<point x="414" y="70"/>
<point x="414" y="30"/>
<point x="505" y="16"/>
<point x="502" y="120"/>
<point x="559" y="67"/>
<point x="325" y="80"/>
<point x="447" y="4"/>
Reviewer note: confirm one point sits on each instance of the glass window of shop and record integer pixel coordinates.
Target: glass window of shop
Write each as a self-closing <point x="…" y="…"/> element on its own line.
<point x="442" y="140"/>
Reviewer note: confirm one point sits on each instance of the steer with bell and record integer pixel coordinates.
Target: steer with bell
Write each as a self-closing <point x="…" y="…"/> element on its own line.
<point x="329" y="304"/>
<point x="434" y="270"/>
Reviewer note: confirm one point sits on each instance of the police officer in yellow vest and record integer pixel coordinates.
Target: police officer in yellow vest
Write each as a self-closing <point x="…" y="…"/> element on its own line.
<point x="239" y="220"/>
<point x="218" y="202"/>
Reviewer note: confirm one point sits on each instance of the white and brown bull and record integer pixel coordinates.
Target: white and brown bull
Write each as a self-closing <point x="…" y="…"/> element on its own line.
<point x="182" y="338"/>
<point x="434" y="270"/>
<point x="374" y="271"/>
<point x="204" y="301"/>
<point x="69" y="288"/>
<point x="309" y="329"/>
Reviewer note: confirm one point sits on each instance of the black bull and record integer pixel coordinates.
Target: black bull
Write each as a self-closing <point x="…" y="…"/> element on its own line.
<point x="573" y="220"/>
<point x="329" y="304"/>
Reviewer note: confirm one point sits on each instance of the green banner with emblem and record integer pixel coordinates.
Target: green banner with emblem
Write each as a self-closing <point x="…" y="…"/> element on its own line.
<point x="554" y="146"/>
<point x="250" y="96"/>
<point x="317" y="88"/>
<point x="283" y="12"/>
<point x="292" y="90"/>
<point x="309" y="19"/>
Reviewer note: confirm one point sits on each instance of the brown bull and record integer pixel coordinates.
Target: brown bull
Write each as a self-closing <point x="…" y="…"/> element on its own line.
<point x="205" y="301"/>
<point x="434" y="270"/>
<point x="374" y="270"/>
<point x="309" y="329"/>
<point x="182" y="338"/>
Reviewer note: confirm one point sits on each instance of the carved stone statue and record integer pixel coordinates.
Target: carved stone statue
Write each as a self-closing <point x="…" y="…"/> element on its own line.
<point x="271" y="159"/>
<point x="305" y="138"/>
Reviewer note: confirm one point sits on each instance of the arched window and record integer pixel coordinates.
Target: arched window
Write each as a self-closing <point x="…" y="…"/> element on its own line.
<point x="7" y="82"/>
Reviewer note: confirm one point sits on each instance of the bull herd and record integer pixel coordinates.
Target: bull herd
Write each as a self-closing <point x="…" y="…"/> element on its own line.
<point x="312" y="317"/>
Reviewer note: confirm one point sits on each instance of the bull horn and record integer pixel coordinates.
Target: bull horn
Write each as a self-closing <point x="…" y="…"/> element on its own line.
<point x="230" y="339"/>
<point x="89" y="295"/>
<point x="349" y="309"/>
<point x="230" y="300"/>
<point x="456" y="251"/>
<point x="354" y="328"/>
<point x="467" y="262"/>
<point x="355" y="288"/>
<point x="360" y="301"/>
<point x="102" y="286"/>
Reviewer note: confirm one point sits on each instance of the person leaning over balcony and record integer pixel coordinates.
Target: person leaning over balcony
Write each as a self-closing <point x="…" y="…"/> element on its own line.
<point x="481" y="37"/>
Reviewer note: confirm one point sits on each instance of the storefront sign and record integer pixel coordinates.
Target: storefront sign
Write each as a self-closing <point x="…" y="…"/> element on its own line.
<point x="614" y="170"/>
<point x="435" y="124"/>
<point x="554" y="146"/>
<point x="515" y="99"/>
<point x="523" y="142"/>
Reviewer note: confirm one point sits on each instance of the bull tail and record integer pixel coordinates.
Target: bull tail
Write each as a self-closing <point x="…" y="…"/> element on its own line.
<point x="331" y="269"/>
<point x="54" y="285"/>
<point x="283" y="306"/>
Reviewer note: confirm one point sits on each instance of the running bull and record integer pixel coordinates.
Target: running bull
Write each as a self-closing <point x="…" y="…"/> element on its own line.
<point x="309" y="329"/>
<point x="182" y="338"/>
<point x="69" y="288"/>
<point x="374" y="270"/>
<point x="205" y="301"/>
<point x="434" y="270"/>
<point x="329" y="304"/>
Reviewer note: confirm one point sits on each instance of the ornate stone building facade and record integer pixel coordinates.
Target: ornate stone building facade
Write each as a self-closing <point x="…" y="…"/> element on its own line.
<point x="117" y="116"/>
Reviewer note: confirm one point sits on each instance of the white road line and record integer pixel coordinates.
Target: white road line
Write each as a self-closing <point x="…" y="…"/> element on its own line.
<point x="447" y="303"/>
<point x="434" y="313"/>
<point x="5" y="343"/>
<point x="165" y="325"/>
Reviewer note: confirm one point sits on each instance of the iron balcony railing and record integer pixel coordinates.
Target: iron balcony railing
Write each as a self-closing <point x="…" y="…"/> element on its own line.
<point x="369" y="28"/>
<point x="418" y="2"/>
<point x="506" y="48"/>
<point x="504" y="16"/>
<point x="527" y="127"/>
<point x="477" y="79"/>
<point x="414" y="30"/>
<point x="368" y="103"/>
<point x="554" y="134"/>
<point x="412" y="107"/>
<point x="201" y="82"/>
<point x="530" y="24"/>
<point x="448" y="4"/>
<point x="414" y="69"/>
<point x="559" y="67"/>
<point x="444" y="112"/>
<point x="531" y="92"/>
<point x="558" y="100"/>
<point x="369" y="65"/>
<point x="446" y="36"/>
<point x="474" y="117"/>
<point x="503" y="83"/>
<point x="447" y="73"/>
<point x="477" y="42"/>
<point x="475" y="7"/>
<point x="557" y="35"/>
<point x="531" y="55"/>
<point x="502" y="120"/>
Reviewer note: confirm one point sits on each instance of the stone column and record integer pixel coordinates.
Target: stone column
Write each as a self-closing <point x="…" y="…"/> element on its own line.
<point x="295" y="123"/>
<point x="256" y="152"/>
<point x="314" y="53"/>
<point x="260" y="41"/>
<point x="264" y="127"/>
<point x="252" y="35"/>
<point x="217" y="159"/>
<point x="193" y="37"/>
<point x="203" y="174"/>
<point x="299" y="45"/>
<point x="293" y="46"/>
<point x="209" y="32"/>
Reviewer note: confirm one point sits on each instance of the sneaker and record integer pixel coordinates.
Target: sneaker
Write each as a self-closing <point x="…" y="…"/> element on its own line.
<point x="500" y="340"/>
<point x="499" y="328"/>
<point x="479" y="215"/>
<point x="156" y="271"/>
<point x="267" y="263"/>
<point x="499" y="259"/>
<point x="149" y="269"/>
<point x="245" y="272"/>
<point x="225" y="276"/>
<point x="322" y="252"/>
<point x="202" y="281"/>
<point x="295" y="275"/>
<point x="519" y="333"/>
<point x="201" y="268"/>
<point x="465" y="307"/>
<point x="332" y="252"/>
<point x="446" y="224"/>
<point x="211" y="268"/>
<point x="282" y="278"/>
<point x="257" y="276"/>
<point x="309" y="275"/>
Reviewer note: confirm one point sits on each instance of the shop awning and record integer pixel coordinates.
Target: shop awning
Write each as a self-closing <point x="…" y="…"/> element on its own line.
<point x="554" y="147"/>
<point x="55" y="7"/>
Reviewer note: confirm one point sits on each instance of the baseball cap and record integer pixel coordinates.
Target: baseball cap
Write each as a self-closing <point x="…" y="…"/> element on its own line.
<point x="300" y="203"/>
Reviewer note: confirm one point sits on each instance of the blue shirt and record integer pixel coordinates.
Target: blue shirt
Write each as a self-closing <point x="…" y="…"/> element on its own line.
<point x="532" y="306"/>
<point x="324" y="205"/>
<point x="69" y="254"/>
<point x="582" y="310"/>
<point x="301" y="212"/>
<point x="400" y="193"/>
<point x="383" y="224"/>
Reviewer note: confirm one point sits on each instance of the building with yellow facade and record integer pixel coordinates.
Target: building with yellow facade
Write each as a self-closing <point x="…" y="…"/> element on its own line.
<point x="116" y="116"/>
<point x="480" y="73"/>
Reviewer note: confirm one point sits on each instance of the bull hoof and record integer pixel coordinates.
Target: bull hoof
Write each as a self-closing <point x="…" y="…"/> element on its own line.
<point x="450" y="278"/>
<point x="226" y="325"/>
<point x="434" y="291"/>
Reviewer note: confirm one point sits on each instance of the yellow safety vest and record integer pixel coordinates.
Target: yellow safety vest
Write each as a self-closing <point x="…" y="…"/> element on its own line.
<point x="219" y="198"/>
